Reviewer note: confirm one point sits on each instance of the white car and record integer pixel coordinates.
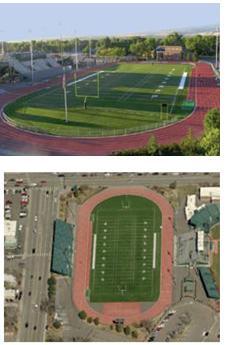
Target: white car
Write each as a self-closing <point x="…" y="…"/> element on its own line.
<point x="20" y="227"/>
<point x="36" y="218"/>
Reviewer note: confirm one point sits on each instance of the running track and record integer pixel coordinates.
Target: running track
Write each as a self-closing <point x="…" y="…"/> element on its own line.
<point x="131" y="312"/>
<point x="203" y="88"/>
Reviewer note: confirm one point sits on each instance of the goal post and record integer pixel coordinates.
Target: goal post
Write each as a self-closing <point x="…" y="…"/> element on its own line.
<point x="88" y="86"/>
<point x="164" y="109"/>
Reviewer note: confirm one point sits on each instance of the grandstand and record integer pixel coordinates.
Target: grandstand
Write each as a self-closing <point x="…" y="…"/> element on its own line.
<point x="62" y="248"/>
<point x="44" y="65"/>
<point x="208" y="283"/>
<point x="205" y="217"/>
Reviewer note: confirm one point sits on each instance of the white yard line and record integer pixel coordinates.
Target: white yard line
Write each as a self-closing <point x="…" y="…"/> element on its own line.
<point x="183" y="80"/>
<point x="94" y="251"/>
<point x="154" y="250"/>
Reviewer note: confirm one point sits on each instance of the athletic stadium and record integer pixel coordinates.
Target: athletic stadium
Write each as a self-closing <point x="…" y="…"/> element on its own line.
<point x="123" y="255"/>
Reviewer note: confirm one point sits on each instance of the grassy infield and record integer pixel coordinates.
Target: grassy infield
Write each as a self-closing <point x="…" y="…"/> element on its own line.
<point x="125" y="102"/>
<point x="125" y="260"/>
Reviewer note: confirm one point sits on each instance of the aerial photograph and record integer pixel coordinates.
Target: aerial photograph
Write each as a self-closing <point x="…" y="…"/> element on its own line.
<point x="110" y="79"/>
<point x="111" y="257"/>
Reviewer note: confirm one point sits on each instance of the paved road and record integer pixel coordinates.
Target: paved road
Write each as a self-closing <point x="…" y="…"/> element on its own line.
<point x="114" y="179"/>
<point x="37" y="266"/>
<point x="202" y="317"/>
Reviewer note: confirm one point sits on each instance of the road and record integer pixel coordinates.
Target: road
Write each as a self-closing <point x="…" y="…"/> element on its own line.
<point x="37" y="256"/>
<point x="113" y="179"/>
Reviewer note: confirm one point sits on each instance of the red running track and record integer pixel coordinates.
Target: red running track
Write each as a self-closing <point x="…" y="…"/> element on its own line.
<point x="203" y="88"/>
<point x="131" y="312"/>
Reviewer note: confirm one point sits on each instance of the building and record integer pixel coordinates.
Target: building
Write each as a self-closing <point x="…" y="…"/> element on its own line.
<point x="169" y="53"/>
<point x="10" y="295"/>
<point x="190" y="206"/>
<point x="210" y="193"/>
<point x="10" y="280"/>
<point x="200" y="240"/>
<point x="205" y="217"/>
<point x="10" y="239"/>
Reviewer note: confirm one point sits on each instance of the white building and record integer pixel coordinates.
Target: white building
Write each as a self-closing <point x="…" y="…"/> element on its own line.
<point x="212" y="193"/>
<point x="10" y="240"/>
<point x="10" y="295"/>
<point x="200" y="241"/>
<point x="10" y="280"/>
<point x="190" y="206"/>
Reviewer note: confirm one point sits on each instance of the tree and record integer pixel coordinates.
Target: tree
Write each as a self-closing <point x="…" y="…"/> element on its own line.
<point x="134" y="334"/>
<point x="56" y="324"/>
<point x="89" y="319"/>
<point x="96" y="321"/>
<point x="212" y="119"/>
<point x="82" y="315"/>
<point x="210" y="142"/>
<point x="152" y="146"/>
<point x="127" y="330"/>
<point x="190" y="146"/>
<point x="118" y="327"/>
<point x="174" y="39"/>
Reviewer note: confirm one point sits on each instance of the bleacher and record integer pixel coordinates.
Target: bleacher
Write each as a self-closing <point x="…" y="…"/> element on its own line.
<point x="208" y="283"/>
<point x="206" y="217"/>
<point x="44" y="66"/>
<point x="61" y="262"/>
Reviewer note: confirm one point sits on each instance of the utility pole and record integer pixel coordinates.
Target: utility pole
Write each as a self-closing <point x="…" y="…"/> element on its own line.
<point x="90" y="48"/>
<point x="217" y="47"/>
<point x="32" y="64"/>
<point x="76" y="53"/>
<point x="64" y="85"/>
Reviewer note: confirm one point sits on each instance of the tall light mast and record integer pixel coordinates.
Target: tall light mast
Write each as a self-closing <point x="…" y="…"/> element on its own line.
<point x="217" y="48"/>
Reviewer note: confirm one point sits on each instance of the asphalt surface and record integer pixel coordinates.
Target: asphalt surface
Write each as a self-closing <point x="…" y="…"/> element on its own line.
<point x="104" y="179"/>
<point x="37" y="265"/>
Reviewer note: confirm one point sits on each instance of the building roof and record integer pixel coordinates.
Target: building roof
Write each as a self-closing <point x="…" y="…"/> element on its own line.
<point x="10" y="294"/>
<point x="200" y="240"/>
<point x="9" y="278"/>
<point x="165" y="47"/>
<point x="208" y="282"/>
<point x="62" y="248"/>
<point x="190" y="206"/>
<point x="210" y="192"/>
<point x="205" y="217"/>
<point x="10" y="228"/>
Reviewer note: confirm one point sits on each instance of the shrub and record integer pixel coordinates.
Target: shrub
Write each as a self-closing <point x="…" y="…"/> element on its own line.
<point x="119" y="328"/>
<point x="127" y="330"/>
<point x="134" y="334"/>
<point x="82" y="314"/>
<point x="89" y="319"/>
<point x="96" y="321"/>
<point x="56" y="324"/>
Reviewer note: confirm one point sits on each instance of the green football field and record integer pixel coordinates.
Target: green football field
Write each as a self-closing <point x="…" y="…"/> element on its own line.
<point x="126" y="250"/>
<point x="130" y="100"/>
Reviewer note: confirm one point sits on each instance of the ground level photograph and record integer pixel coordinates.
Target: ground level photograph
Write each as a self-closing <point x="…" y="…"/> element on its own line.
<point x="110" y="89"/>
<point x="112" y="257"/>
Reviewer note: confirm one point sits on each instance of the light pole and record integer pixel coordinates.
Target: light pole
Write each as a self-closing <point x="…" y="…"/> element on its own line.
<point x="31" y="59"/>
<point x="2" y="45"/>
<point x="76" y="52"/>
<point x="217" y="47"/>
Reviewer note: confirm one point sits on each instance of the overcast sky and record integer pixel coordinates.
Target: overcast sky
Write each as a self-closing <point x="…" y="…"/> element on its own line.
<point x="25" y="21"/>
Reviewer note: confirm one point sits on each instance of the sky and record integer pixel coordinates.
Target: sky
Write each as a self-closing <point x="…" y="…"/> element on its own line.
<point x="36" y="21"/>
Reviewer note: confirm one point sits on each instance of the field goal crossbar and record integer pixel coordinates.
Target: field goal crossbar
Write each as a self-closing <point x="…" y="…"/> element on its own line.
<point x="76" y="81"/>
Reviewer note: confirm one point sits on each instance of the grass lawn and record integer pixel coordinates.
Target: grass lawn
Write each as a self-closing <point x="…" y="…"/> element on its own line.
<point x="126" y="250"/>
<point x="130" y="100"/>
<point x="215" y="268"/>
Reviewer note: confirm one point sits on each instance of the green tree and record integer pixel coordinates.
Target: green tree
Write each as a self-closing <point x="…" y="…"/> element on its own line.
<point x="152" y="146"/>
<point x="56" y="324"/>
<point x="89" y="319"/>
<point x="212" y="119"/>
<point x="134" y="334"/>
<point x="127" y="330"/>
<point x="118" y="328"/>
<point x="96" y="321"/>
<point x="174" y="39"/>
<point x="82" y="315"/>
<point x="210" y="142"/>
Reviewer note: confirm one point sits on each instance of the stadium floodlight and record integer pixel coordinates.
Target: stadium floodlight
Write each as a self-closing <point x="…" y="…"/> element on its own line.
<point x="90" y="48"/>
<point x="217" y="47"/>
<point x="64" y="85"/>
<point x="76" y="52"/>
<point x="2" y="45"/>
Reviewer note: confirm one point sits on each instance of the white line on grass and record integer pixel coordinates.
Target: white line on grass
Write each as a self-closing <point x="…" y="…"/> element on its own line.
<point x="154" y="251"/>
<point x="94" y="251"/>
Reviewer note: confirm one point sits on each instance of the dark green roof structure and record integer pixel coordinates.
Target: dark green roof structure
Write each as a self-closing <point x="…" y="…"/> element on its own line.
<point x="208" y="282"/>
<point x="62" y="248"/>
<point x="206" y="217"/>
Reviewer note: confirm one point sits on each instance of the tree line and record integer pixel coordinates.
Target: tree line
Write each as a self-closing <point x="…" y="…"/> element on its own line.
<point x="143" y="47"/>
<point x="207" y="145"/>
